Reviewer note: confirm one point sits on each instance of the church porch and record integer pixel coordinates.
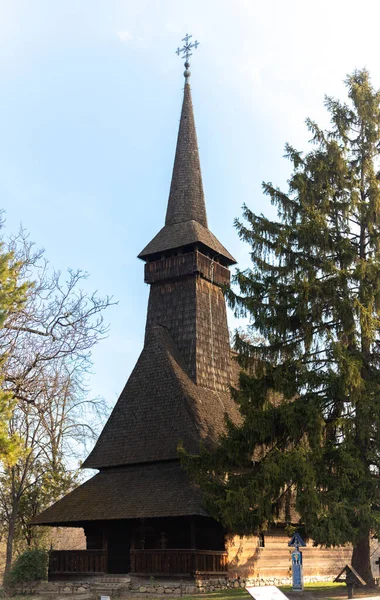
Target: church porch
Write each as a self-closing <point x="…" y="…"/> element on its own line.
<point x="179" y="547"/>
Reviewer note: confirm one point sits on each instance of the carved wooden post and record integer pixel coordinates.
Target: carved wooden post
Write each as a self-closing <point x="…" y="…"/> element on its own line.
<point x="192" y="534"/>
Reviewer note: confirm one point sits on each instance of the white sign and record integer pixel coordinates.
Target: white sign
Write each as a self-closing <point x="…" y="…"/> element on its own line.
<point x="266" y="592"/>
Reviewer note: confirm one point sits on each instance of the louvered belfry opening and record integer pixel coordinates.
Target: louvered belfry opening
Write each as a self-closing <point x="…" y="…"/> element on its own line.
<point x="140" y="512"/>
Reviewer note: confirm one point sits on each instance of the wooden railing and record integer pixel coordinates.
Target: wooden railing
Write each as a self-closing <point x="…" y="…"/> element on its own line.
<point x="77" y="561"/>
<point x="178" y="562"/>
<point x="143" y="562"/>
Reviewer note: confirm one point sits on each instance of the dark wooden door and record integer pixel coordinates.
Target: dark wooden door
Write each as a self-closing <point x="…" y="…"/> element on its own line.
<point x="119" y="544"/>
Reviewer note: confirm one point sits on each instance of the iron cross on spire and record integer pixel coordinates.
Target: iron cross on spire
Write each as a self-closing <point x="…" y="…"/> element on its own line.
<point x="185" y="52"/>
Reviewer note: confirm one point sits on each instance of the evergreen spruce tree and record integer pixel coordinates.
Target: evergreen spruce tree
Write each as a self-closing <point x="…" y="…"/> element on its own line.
<point x="310" y="389"/>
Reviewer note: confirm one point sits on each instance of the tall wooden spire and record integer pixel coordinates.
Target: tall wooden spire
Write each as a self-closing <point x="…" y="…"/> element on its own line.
<point x="186" y="198"/>
<point x="186" y="219"/>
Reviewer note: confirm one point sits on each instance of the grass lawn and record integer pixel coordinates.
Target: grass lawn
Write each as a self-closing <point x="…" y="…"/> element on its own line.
<point x="232" y="594"/>
<point x="325" y="590"/>
<point x="239" y="593"/>
<point x="322" y="586"/>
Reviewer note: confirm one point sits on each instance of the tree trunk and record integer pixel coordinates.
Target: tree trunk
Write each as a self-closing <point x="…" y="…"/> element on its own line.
<point x="361" y="559"/>
<point x="10" y="537"/>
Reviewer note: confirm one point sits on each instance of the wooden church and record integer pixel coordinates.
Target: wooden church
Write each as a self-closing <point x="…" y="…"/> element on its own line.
<point x="140" y="512"/>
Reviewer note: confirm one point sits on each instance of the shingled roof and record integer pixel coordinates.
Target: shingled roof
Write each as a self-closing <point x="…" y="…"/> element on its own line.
<point x="186" y="219"/>
<point x="186" y="234"/>
<point x="160" y="406"/>
<point x="186" y="198"/>
<point x="158" y="490"/>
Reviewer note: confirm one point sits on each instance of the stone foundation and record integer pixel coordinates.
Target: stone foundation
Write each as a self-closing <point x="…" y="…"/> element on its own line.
<point x="109" y="586"/>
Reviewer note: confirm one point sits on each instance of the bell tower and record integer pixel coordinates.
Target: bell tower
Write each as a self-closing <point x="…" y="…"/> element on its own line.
<point x="187" y="267"/>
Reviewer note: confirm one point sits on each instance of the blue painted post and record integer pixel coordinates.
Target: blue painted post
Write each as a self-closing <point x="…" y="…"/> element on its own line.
<point x="297" y="568"/>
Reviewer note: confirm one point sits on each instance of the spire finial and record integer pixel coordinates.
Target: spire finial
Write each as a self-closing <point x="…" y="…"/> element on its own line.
<point x="185" y="52"/>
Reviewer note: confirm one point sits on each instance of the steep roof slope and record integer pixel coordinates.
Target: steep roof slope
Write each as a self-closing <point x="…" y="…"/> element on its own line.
<point x="139" y="491"/>
<point x="186" y="234"/>
<point x="159" y="407"/>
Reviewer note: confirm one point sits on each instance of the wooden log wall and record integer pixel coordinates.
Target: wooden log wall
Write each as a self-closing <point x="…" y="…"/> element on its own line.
<point x="247" y="559"/>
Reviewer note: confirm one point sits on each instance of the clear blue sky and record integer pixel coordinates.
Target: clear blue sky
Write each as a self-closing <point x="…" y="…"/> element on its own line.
<point x="90" y="101"/>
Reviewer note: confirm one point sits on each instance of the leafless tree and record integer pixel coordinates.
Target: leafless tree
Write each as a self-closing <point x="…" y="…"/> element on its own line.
<point x="48" y="347"/>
